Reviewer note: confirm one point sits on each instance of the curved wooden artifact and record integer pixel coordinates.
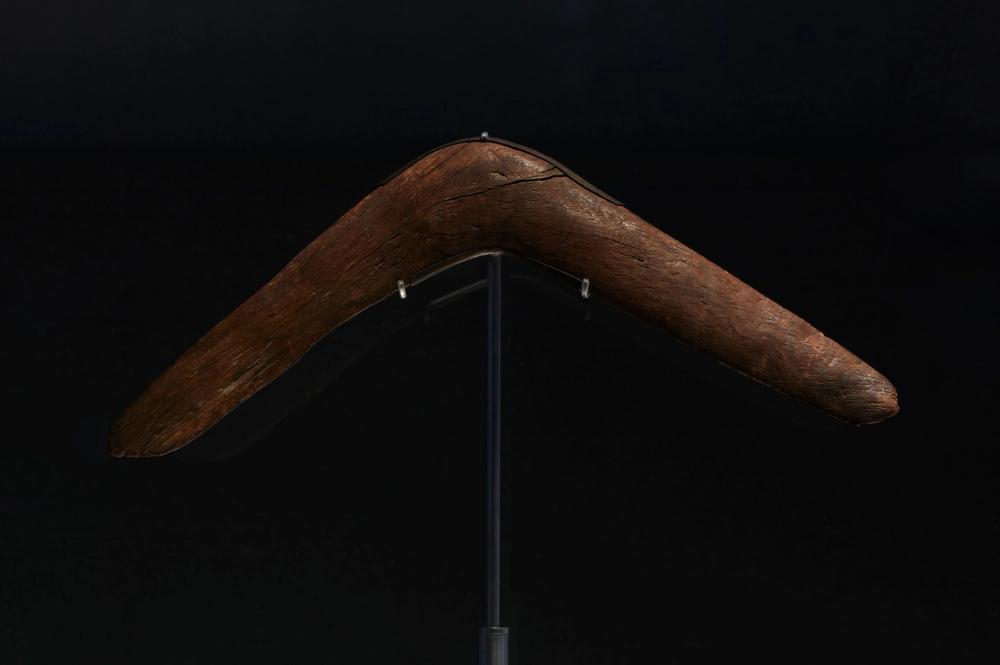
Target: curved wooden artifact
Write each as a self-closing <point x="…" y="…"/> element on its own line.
<point x="478" y="196"/>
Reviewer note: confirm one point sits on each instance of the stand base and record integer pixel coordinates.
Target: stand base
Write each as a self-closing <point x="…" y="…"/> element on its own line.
<point x="493" y="645"/>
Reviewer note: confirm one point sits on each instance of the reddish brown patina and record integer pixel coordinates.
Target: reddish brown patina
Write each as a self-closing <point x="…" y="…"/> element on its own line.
<point x="470" y="197"/>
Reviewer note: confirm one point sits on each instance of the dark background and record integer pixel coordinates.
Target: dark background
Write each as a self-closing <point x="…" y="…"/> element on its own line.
<point x="160" y="161"/>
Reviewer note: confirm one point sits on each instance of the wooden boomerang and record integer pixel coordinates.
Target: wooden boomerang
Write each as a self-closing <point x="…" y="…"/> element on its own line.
<point x="484" y="195"/>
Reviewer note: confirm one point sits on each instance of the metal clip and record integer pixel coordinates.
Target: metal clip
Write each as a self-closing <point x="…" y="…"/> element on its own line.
<point x="585" y="288"/>
<point x="401" y="286"/>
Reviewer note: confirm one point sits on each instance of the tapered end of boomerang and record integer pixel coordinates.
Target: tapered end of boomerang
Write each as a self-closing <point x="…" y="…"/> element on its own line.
<point x="883" y="401"/>
<point x="869" y="399"/>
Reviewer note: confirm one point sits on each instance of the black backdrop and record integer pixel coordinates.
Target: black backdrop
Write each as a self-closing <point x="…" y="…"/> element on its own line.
<point x="160" y="162"/>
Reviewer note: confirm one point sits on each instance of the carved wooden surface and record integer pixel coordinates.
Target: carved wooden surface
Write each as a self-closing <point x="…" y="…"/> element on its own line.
<point x="476" y="196"/>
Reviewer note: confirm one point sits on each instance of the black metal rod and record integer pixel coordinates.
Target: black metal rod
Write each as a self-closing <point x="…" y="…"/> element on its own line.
<point x="494" y="321"/>
<point x="493" y="638"/>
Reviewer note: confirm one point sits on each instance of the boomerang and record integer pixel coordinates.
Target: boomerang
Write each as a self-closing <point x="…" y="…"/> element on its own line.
<point x="480" y="196"/>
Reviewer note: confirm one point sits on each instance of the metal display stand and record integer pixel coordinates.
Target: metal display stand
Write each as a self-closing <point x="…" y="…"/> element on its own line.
<point x="493" y="642"/>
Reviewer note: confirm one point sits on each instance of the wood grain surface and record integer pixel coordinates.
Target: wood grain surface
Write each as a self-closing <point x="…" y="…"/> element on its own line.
<point x="476" y="196"/>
